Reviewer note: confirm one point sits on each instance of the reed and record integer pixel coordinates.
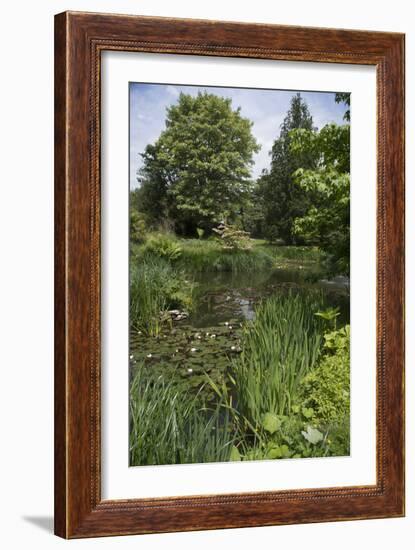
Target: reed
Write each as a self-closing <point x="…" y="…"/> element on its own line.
<point x="171" y="425"/>
<point x="279" y="348"/>
<point x="155" y="287"/>
<point x="208" y="255"/>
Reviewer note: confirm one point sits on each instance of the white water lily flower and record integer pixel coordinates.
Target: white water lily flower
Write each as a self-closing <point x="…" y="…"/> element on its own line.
<point x="226" y="323"/>
<point x="213" y="336"/>
<point x="149" y="355"/>
<point x="131" y="356"/>
<point x="233" y="348"/>
<point x="189" y="370"/>
<point x="193" y="349"/>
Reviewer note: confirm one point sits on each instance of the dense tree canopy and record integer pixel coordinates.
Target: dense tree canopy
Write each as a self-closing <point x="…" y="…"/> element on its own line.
<point x="198" y="174"/>
<point x="198" y="171"/>
<point x="283" y="200"/>
<point x="326" y="222"/>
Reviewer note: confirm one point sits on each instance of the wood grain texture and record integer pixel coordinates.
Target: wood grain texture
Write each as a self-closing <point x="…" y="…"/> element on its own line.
<point x="79" y="40"/>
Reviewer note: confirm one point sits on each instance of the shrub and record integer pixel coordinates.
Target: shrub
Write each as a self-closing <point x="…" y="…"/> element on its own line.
<point x="137" y="227"/>
<point x="163" y="245"/>
<point x="326" y="389"/>
<point x="233" y="239"/>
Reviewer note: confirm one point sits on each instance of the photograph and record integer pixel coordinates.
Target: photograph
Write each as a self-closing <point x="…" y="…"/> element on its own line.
<point x="239" y="274"/>
<point x="229" y="272"/>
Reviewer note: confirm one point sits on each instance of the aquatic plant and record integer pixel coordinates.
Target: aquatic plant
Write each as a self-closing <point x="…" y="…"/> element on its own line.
<point x="279" y="348"/>
<point x="155" y="287"/>
<point x="171" y="425"/>
<point x="210" y="255"/>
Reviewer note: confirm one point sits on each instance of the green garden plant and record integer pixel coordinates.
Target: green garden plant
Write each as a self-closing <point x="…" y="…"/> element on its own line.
<point x="279" y="348"/>
<point x="326" y="389"/>
<point x="171" y="425"/>
<point x="156" y="287"/>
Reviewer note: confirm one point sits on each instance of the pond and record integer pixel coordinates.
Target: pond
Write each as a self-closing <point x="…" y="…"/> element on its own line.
<point x="207" y="338"/>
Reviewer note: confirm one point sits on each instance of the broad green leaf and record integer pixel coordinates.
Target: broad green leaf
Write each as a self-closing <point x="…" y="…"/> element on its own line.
<point x="312" y="435"/>
<point x="308" y="412"/>
<point x="235" y="454"/>
<point x="271" y="422"/>
<point x="280" y="451"/>
<point x="274" y="452"/>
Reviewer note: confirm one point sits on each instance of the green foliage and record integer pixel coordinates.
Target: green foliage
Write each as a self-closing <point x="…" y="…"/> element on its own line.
<point x="282" y="200"/>
<point x="155" y="287"/>
<point x="163" y="245"/>
<point x="232" y="238"/>
<point x="198" y="171"/>
<point x="330" y="146"/>
<point x="137" y="227"/>
<point x="312" y="435"/>
<point x="344" y="98"/>
<point x="330" y="314"/>
<point x="271" y="422"/>
<point x="170" y="425"/>
<point x="209" y="255"/>
<point x="295" y="437"/>
<point x="272" y="388"/>
<point x="326" y="389"/>
<point x="326" y="222"/>
<point x="278" y="348"/>
<point x="280" y="380"/>
<point x="295" y="407"/>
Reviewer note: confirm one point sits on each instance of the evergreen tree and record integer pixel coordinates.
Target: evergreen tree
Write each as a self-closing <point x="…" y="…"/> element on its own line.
<point x="283" y="200"/>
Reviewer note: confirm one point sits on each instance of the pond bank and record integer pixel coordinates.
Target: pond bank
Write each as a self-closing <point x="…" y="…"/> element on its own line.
<point x="202" y="317"/>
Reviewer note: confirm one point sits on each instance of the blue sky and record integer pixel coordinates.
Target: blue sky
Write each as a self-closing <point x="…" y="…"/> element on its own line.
<point x="265" y="108"/>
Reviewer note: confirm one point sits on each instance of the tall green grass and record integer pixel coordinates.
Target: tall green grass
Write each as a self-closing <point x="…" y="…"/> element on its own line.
<point x="209" y="255"/>
<point x="279" y="348"/>
<point x="156" y="286"/>
<point x="170" y="425"/>
<point x="205" y="255"/>
<point x="303" y="254"/>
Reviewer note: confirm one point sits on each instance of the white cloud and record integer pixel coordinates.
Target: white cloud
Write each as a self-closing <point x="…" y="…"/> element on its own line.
<point x="265" y="108"/>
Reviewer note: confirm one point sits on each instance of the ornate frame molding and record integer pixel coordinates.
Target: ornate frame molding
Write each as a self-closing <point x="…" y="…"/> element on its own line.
<point x="79" y="40"/>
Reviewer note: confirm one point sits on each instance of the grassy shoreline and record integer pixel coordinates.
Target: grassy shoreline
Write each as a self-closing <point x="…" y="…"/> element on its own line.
<point x="266" y="400"/>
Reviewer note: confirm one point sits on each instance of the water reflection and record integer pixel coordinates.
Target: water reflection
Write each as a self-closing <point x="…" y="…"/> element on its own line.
<point x="223" y="296"/>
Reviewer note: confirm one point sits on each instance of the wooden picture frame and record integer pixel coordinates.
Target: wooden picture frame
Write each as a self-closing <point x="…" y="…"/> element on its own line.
<point x="79" y="40"/>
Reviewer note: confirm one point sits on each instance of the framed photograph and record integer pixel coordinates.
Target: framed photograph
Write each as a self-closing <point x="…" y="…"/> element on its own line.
<point x="229" y="275"/>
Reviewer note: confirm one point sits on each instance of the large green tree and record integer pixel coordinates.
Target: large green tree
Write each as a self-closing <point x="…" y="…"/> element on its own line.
<point x="283" y="200"/>
<point x="198" y="171"/>
<point x="326" y="222"/>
